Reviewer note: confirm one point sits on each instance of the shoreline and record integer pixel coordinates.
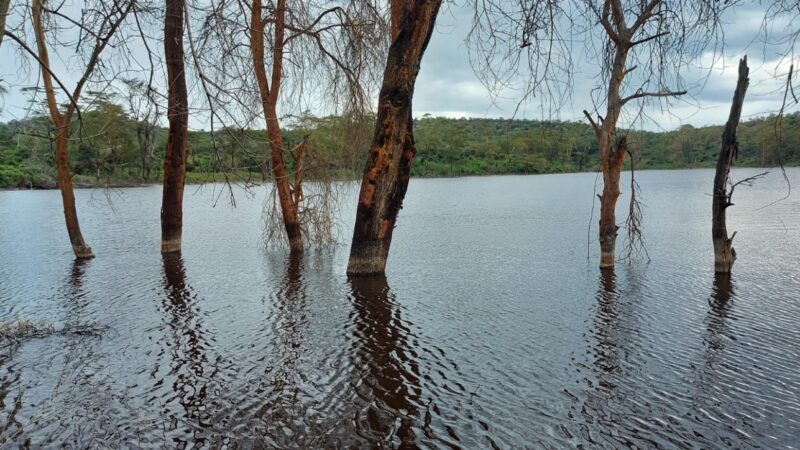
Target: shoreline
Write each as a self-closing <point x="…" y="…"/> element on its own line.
<point x="139" y="184"/>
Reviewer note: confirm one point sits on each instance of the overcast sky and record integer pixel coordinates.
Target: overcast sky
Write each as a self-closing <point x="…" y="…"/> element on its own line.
<point x="447" y="85"/>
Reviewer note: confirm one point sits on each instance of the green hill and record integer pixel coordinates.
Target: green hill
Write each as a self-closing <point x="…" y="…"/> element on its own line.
<point x="108" y="150"/>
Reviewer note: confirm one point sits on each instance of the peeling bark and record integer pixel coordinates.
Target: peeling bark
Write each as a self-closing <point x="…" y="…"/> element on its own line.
<point x="177" y="150"/>
<point x="724" y="253"/>
<point x="388" y="167"/>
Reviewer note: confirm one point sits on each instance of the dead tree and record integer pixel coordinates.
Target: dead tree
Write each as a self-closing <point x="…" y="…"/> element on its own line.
<point x="106" y="20"/>
<point x="642" y="47"/>
<point x="388" y="167"/>
<point x="648" y="24"/>
<point x="177" y="150"/>
<point x="724" y="253"/>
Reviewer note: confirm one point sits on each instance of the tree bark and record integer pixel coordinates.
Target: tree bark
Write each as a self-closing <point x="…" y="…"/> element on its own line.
<point x="388" y="167"/>
<point x="177" y="150"/>
<point x="61" y="123"/>
<point x="4" y="5"/>
<point x="724" y="253"/>
<point x="612" y="167"/>
<point x="612" y="157"/>
<point x="269" y="101"/>
<point x="79" y="245"/>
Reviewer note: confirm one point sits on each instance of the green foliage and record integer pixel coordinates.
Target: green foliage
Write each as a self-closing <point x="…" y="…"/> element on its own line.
<point x="11" y="176"/>
<point x="105" y="149"/>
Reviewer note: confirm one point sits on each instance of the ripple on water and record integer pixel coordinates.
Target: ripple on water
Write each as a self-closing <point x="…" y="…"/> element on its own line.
<point x="491" y="329"/>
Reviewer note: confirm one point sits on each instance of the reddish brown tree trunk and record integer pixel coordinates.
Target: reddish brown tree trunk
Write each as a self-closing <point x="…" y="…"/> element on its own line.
<point x="269" y="101"/>
<point x="388" y="168"/>
<point x="612" y="167"/>
<point x="79" y="246"/>
<point x="291" y="218"/>
<point x="61" y="124"/>
<point x="612" y="151"/>
<point x="724" y="253"/>
<point x="177" y="150"/>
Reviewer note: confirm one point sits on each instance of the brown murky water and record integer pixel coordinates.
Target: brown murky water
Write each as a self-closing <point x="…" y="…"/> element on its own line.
<point x="491" y="328"/>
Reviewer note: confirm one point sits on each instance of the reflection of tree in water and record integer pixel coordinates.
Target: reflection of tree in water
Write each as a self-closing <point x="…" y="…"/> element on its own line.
<point x="718" y="311"/>
<point x="189" y="361"/>
<point x="389" y="382"/>
<point x="610" y="382"/>
<point x="710" y="384"/>
<point x="716" y="320"/>
<point x="607" y="352"/>
<point x="283" y="404"/>
<point x="721" y="294"/>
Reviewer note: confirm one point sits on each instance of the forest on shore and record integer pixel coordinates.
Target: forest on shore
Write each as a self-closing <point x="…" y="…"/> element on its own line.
<point x="113" y="148"/>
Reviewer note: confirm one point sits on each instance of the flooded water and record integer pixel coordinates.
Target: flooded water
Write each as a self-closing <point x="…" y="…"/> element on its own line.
<point x="491" y="329"/>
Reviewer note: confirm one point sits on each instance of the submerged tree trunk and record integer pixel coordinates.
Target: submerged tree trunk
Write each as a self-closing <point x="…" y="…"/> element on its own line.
<point x="269" y="91"/>
<point x="79" y="246"/>
<point x="612" y="168"/>
<point x="622" y="38"/>
<point x="177" y="150"/>
<point x="62" y="125"/>
<point x="388" y="167"/>
<point x="612" y="151"/>
<point x="724" y="254"/>
<point x="289" y="208"/>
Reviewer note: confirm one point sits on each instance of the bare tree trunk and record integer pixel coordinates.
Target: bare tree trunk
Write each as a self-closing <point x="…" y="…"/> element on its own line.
<point x="177" y="150"/>
<point x="612" y="148"/>
<point x="724" y="254"/>
<point x="388" y="167"/>
<point x="62" y="127"/>
<point x="4" y="5"/>
<point x="291" y="218"/>
<point x="269" y="101"/>
<point x="79" y="246"/>
<point x="612" y="167"/>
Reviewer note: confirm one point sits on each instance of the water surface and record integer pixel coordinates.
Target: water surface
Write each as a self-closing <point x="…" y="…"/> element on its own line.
<point x="491" y="329"/>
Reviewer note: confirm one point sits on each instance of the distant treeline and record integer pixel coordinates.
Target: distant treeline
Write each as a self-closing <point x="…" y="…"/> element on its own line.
<point x="111" y="148"/>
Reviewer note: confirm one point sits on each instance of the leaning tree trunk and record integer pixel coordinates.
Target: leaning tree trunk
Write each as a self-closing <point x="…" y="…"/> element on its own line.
<point x="269" y="100"/>
<point x="612" y="168"/>
<point x="61" y="123"/>
<point x="388" y="168"/>
<point x="289" y="208"/>
<point x="177" y="150"/>
<point x="79" y="246"/>
<point x="724" y="254"/>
